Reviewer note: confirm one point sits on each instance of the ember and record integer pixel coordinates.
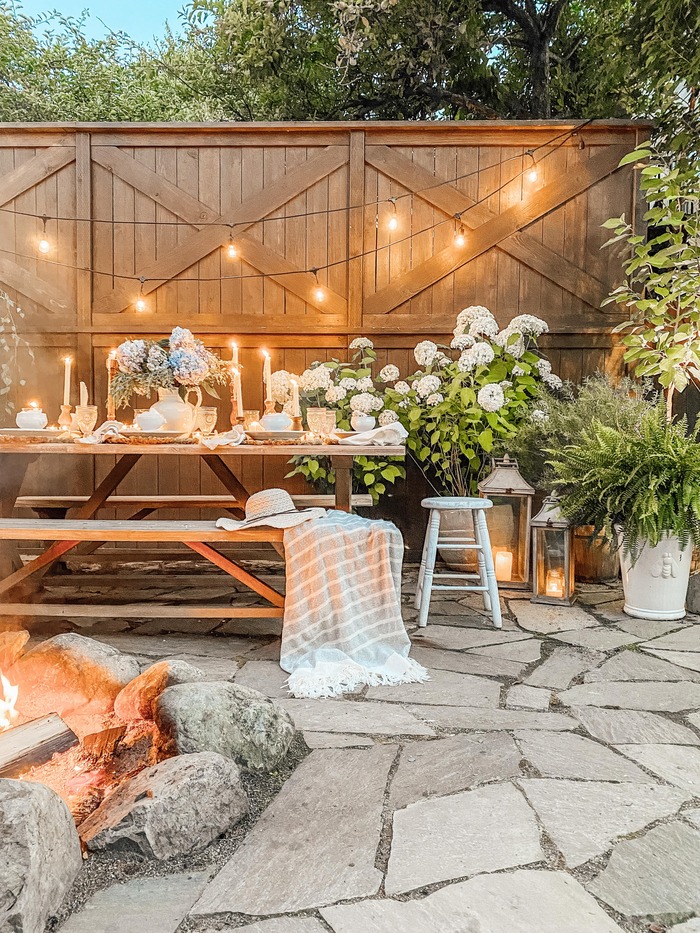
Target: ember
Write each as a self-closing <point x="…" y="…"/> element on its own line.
<point x="8" y="699"/>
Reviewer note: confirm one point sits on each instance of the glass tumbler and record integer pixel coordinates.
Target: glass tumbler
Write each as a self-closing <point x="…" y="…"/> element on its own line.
<point x="206" y="420"/>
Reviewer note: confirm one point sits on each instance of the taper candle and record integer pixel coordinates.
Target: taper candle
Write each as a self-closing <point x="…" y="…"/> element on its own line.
<point x="267" y="376"/>
<point x="83" y="394"/>
<point x="296" y="410"/>
<point x="234" y="354"/>
<point x="238" y="390"/>
<point x="111" y="408"/>
<point x="67" y="362"/>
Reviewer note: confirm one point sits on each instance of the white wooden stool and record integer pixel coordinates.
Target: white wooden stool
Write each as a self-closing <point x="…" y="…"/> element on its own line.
<point x="481" y="543"/>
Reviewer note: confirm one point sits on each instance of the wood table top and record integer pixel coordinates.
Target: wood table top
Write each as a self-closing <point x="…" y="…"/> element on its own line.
<point x="199" y="450"/>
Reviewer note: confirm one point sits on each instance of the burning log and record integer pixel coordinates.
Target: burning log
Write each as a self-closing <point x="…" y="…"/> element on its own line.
<point x="33" y="743"/>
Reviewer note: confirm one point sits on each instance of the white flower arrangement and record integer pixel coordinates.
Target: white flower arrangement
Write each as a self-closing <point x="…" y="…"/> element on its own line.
<point x="318" y="377"/>
<point x="366" y="403"/>
<point x="426" y="385"/>
<point x="389" y="373"/>
<point x="425" y="352"/>
<point x="476" y="321"/>
<point x="491" y="397"/>
<point x="403" y="388"/>
<point x="335" y="394"/>
<point x="387" y="417"/>
<point x="281" y="385"/>
<point x="348" y="383"/>
<point x="435" y="398"/>
<point x="361" y="343"/>
<point x="365" y="384"/>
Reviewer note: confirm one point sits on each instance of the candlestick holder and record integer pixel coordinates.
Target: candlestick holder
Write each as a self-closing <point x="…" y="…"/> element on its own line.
<point x="64" y="419"/>
<point x="269" y="406"/>
<point x="296" y="424"/>
<point x="236" y="417"/>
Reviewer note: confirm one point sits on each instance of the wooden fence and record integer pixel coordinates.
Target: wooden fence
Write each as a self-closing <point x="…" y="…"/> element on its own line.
<point x="126" y="201"/>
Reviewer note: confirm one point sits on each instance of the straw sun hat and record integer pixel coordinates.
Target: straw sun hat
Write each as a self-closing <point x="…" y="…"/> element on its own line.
<point x="273" y="507"/>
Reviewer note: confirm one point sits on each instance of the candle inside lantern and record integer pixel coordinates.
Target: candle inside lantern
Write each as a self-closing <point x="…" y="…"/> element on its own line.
<point x="296" y="410"/>
<point x="554" y="584"/>
<point x="31" y="418"/>
<point x="67" y="362"/>
<point x="237" y="391"/>
<point x="83" y="394"/>
<point x="503" y="560"/>
<point x="267" y="376"/>
<point x="234" y="354"/>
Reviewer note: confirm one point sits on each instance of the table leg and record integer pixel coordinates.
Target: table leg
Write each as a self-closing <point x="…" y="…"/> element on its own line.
<point x="228" y="480"/>
<point x="343" y="467"/>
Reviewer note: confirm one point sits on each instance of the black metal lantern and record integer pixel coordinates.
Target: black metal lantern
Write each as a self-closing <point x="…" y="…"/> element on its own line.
<point x="509" y="521"/>
<point x="552" y="556"/>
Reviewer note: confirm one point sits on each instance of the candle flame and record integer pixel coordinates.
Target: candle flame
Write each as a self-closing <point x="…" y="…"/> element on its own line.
<point x="34" y="405"/>
<point x="68" y="359"/>
<point x="264" y="353"/>
<point x="8" y="698"/>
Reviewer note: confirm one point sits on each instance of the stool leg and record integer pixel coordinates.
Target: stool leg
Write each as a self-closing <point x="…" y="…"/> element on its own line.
<point x="421" y="572"/>
<point x="483" y="579"/>
<point x="431" y="540"/>
<point x="485" y="541"/>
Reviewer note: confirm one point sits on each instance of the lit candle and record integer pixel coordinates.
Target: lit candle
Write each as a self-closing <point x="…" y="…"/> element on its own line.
<point x="238" y="391"/>
<point x="296" y="410"/>
<point x="83" y="394"/>
<point x="111" y="412"/>
<point x="234" y="354"/>
<point x="67" y="362"/>
<point x="554" y="585"/>
<point x="267" y="376"/>
<point x="31" y="418"/>
<point x="504" y="564"/>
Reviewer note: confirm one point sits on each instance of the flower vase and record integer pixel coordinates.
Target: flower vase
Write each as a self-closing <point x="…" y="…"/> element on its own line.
<point x="179" y="415"/>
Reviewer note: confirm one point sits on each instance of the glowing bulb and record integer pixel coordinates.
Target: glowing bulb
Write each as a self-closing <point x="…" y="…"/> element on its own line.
<point x="460" y="238"/>
<point x="140" y="304"/>
<point x="44" y="245"/>
<point x="319" y="294"/>
<point x="232" y="251"/>
<point x="532" y="175"/>
<point x="393" y="223"/>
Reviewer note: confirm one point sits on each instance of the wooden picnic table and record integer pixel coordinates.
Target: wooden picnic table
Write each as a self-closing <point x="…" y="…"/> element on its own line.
<point x="16" y="456"/>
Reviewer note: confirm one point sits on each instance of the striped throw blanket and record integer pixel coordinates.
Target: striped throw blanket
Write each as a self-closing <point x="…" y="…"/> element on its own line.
<point x="342" y="615"/>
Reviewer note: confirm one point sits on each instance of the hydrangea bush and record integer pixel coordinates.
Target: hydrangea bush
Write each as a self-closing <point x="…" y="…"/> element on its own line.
<point x="180" y="362"/>
<point x="466" y="397"/>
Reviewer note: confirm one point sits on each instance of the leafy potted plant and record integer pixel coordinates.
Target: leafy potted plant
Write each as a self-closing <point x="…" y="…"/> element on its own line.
<point x="642" y="489"/>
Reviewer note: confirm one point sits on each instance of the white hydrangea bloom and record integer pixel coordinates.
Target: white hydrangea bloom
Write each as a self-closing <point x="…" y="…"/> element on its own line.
<point x="389" y="373"/>
<point x="466" y="361"/>
<point x="462" y="342"/>
<point x="281" y="385"/>
<point x="405" y="403"/>
<point x="348" y="383"/>
<point x="425" y="352"/>
<point x="403" y="388"/>
<point x="335" y="394"/>
<point x="476" y="321"/>
<point x="506" y="384"/>
<point x="365" y="384"/>
<point x="366" y="403"/>
<point x="528" y="324"/>
<point x="544" y="367"/>
<point x="288" y="408"/>
<point x="517" y="348"/>
<point x="484" y="327"/>
<point x="361" y="343"/>
<point x="491" y="397"/>
<point x="553" y="381"/>
<point x="518" y="370"/>
<point x="483" y="353"/>
<point x="387" y="417"/>
<point x="313" y="379"/>
<point x="435" y="398"/>
<point x="426" y="385"/>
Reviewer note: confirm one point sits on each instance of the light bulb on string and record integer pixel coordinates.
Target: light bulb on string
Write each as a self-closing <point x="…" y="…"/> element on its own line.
<point x="140" y="303"/>
<point x="44" y="243"/>
<point x="231" y="248"/>
<point x="393" y="223"/>
<point x="319" y="293"/>
<point x="460" y="234"/>
<point x="532" y="174"/>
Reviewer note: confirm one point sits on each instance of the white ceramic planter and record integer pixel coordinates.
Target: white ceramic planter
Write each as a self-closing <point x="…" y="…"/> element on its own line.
<point x="657" y="584"/>
<point x="178" y="414"/>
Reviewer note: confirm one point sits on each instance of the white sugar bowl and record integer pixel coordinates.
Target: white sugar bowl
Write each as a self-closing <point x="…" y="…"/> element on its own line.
<point x="31" y="419"/>
<point x="150" y="420"/>
<point x="276" y="421"/>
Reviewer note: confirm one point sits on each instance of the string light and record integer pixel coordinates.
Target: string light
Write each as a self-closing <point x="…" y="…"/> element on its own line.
<point x="231" y="248"/>
<point x="44" y="243"/>
<point x="140" y="303"/>
<point x="319" y="293"/>
<point x="532" y="174"/>
<point x="460" y="234"/>
<point x="393" y="220"/>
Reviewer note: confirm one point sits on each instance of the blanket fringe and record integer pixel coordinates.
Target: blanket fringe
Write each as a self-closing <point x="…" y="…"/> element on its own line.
<point x="334" y="679"/>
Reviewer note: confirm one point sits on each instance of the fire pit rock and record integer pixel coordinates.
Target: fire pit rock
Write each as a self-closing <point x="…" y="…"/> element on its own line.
<point x="137" y="699"/>
<point x="226" y="718"/>
<point x="39" y="855"/>
<point x="74" y="676"/>
<point x="173" y="808"/>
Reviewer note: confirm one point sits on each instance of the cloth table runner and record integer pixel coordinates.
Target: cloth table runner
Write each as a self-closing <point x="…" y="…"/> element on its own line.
<point x="342" y="617"/>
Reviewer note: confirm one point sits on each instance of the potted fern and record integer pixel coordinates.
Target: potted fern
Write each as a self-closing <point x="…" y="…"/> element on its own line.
<point x="642" y="489"/>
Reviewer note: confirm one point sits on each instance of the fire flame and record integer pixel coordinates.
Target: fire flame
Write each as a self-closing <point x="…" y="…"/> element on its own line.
<point x="8" y="698"/>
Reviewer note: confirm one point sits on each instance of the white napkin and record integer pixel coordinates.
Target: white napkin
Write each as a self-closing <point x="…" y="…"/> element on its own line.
<point x="231" y="438"/>
<point x="109" y="428"/>
<point x="391" y="435"/>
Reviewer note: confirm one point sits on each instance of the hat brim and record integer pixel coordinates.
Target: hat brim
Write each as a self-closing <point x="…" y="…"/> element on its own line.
<point x="284" y="520"/>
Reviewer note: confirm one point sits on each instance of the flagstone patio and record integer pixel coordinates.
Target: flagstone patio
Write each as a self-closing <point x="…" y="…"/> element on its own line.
<point x="545" y="780"/>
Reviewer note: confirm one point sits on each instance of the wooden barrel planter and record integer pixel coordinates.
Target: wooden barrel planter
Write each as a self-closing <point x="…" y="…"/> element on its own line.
<point x="595" y="560"/>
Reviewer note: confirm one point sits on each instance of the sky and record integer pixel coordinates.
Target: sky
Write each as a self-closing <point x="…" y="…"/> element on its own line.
<point x="141" y="19"/>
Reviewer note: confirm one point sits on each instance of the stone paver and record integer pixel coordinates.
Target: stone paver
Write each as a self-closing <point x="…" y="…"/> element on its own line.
<point x="691" y="926"/>
<point x="487" y="829"/>
<point x="265" y="676"/>
<point x="653" y="874"/>
<point x="561" y="667"/>
<point x="658" y="697"/>
<point x="445" y="688"/>
<point x="563" y="755"/>
<point x="443" y="766"/>
<point x="155" y="904"/>
<point x="636" y="665"/>
<point x="583" y="818"/>
<point x="521" y="696"/>
<point x="686" y="659"/>
<point x="694" y="718"/>
<point x="461" y="717"/>
<point x="336" y="740"/>
<point x="527" y="651"/>
<point x="686" y="639"/>
<point x="525" y="901"/>
<point x="536" y="617"/>
<point x="677" y="764"/>
<point x="646" y="628"/>
<point x="456" y="638"/>
<point x="633" y="727"/>
<point x="315" y="843"/>
<point x="353" y="716"/>
<point x="466" y="663"/>
<point x="213" y="668"/>
<point x="599" y="639"/>
<point x="693" y="816"/>
<point x="283" y="925"/>
<point x="168" y="646"/>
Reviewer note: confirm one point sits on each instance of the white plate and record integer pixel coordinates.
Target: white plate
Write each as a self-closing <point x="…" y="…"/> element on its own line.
<point x="274" y="435"/>
<point x="130" y="432"/>
<point x="31" y="432"/>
